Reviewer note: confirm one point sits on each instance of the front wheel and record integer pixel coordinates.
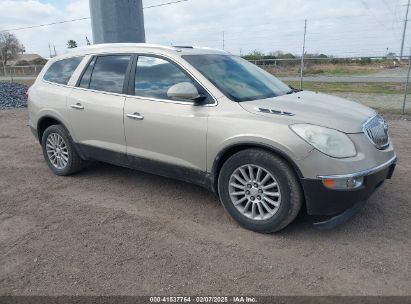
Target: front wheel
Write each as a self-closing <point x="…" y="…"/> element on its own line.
<point x="260" y="190"/>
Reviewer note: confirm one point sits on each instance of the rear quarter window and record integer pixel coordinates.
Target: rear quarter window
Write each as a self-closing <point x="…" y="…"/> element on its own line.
<point x="60" y="71"/>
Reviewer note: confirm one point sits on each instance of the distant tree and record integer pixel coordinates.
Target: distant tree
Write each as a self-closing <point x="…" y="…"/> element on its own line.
<point x="254" y="55"/>
<point x="10" y="47"/>
<point x="286" y="56"/>
<point x="71" y="44"/>
<point x="391" y="55"/>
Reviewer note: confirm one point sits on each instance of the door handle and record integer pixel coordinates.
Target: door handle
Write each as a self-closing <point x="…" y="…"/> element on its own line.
<point x="77" y="106"/>
<point x="136" y="116"/>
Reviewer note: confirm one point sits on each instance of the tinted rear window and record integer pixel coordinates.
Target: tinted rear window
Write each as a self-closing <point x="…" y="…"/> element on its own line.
<point x="61" y="71"/>
<point x="109" y="73"/>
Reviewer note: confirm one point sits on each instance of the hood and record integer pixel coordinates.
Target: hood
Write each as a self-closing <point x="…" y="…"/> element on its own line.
<point x="314" y="108"/>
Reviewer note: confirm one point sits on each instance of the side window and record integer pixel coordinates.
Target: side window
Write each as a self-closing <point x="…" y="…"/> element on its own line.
<point x="108" y="73"/>
<point x="61" y="71"/>
<point x="85" y="79"/>
<point x="154" y="76"/>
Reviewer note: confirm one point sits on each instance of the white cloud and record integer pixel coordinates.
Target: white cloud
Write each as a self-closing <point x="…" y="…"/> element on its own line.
<point x="350" y="27"/>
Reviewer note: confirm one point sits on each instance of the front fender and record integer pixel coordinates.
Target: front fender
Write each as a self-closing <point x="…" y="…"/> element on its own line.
<point x="276" y="137"/>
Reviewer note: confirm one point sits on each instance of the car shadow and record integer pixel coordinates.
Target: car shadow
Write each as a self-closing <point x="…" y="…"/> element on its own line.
<point x="189" y="197"/>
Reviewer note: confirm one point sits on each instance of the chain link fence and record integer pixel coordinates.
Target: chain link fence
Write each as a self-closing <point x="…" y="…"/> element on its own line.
<point x="381" y="83"/>
<point x="20" y="71"/>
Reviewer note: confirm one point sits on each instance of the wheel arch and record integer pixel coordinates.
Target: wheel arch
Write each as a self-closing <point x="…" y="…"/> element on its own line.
<point x="45" y="122"/>
<point x="227" y="152"/>
<point x="49" y="120"/>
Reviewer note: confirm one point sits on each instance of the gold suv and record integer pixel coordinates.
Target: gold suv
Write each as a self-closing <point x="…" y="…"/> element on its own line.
<point x="210" y="118"/>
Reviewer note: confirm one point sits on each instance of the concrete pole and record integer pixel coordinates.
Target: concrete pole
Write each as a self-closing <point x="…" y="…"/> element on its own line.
<point x="117" y="21"/>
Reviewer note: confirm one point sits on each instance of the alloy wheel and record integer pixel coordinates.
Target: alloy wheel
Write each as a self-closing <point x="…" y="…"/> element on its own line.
<point x="57" y="151"/>
<point x="254" y="192"/>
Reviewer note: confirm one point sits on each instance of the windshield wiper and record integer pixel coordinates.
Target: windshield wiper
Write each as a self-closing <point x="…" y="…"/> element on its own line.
<point x="293" y="90"/>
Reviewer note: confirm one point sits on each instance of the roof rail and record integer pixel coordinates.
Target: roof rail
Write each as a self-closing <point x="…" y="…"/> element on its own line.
<point x="183" y="46"/>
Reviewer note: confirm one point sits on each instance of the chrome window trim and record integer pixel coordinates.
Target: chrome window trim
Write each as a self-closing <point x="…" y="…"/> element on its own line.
<point x="57" y="84"/>
<point x="181" y="102"/>
<point x="101" y="92"/>
<point x="393" y="160"/>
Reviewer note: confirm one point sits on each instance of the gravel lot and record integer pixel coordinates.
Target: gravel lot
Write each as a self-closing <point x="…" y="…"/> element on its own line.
<point x="110" y="230"/>
<point x="12" y="95"/>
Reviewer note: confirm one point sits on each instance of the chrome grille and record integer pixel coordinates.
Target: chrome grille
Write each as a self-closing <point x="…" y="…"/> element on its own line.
<point x="377" y="132"/>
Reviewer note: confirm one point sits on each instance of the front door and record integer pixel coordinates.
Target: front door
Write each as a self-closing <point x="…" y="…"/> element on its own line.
<point x="160" y="129"/>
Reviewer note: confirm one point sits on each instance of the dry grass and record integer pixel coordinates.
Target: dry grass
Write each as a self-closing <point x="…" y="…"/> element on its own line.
<point x="325" y="69"/>
<point x="332" y="69"/>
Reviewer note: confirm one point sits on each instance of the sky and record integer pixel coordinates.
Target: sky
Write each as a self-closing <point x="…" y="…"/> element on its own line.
<point x="342" y="28"/>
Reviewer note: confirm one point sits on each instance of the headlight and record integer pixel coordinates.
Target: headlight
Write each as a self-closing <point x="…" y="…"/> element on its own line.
<point x="329" y="141"/>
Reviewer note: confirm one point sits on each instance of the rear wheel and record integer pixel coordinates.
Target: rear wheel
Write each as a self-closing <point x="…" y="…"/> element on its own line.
<point x="59" y="151"/>
<point x="260" y="190"/>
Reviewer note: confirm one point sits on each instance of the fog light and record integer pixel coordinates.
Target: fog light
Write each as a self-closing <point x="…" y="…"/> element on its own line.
<point x="348" y="183"/>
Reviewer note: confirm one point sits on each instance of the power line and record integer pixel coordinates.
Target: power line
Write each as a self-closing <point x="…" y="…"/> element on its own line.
<point x="163" y="4"/>
<point x="312" y="37"/>
<point x="46" y="24"/>
<point x="364" y="3"/>
<point x="254" y="27"/>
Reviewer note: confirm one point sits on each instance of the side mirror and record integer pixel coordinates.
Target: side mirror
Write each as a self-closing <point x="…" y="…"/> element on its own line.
<point x="184" y="91"/>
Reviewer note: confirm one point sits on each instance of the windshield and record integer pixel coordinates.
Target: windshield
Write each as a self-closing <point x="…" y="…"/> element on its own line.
<point x="237" y="78"/>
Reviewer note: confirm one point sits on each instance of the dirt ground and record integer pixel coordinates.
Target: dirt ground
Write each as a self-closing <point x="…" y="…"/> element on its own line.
<point x="111" y="230"/>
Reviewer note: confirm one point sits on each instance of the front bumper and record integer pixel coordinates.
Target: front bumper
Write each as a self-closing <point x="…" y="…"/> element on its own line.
<point x="323" y="201"/>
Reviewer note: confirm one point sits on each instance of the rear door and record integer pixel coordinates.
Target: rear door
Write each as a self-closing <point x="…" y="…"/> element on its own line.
<point x="96" y="105"/>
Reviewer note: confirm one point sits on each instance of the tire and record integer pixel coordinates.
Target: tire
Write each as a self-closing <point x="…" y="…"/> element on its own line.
<point x="68" y="154"/>
<point x="283" y="200"/>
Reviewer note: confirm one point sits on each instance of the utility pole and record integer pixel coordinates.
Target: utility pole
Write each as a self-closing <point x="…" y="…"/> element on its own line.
<point x="223" y="40"/>
<point x="405" y="29"/>
<point x="117" y="21"/>
<point x="302" y="57"/>
<point x="50" y="51"/>
<point x="55" y="53"/>
<point x="406" y="84"/>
